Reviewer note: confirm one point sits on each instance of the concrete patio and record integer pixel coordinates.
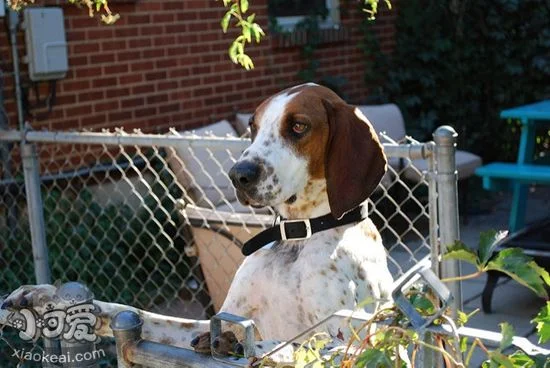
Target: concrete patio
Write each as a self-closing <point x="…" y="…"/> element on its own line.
<point x="511" y="302"/>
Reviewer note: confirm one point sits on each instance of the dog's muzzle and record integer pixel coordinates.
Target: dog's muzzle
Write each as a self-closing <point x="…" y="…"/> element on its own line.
<point x="245" y="175"/>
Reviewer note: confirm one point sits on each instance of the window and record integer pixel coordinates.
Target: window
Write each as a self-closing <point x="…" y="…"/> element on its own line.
<point x="290" y="12"/>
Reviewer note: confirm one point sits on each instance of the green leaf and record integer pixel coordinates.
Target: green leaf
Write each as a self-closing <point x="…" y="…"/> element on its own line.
<point x="257" y="31"/>
<point x="245" y="61"/>
<point x="501" y="360"/>
<point x="520" y="267"/>
<point x="520" y="359"/>
<point x="225" y="21"/>
<point x="507" y="334"/>
<point x="244" y="6"/>
<point x="247" y="34"/>
<point x="543" y="323"/>
<point x="422" y="304"/>
<point x="461" y="252"/>
<point x="487" y="243"/>
<point x="463" y="344"/>
<point x="233" y="52"/>
<point x="373" y="358"/>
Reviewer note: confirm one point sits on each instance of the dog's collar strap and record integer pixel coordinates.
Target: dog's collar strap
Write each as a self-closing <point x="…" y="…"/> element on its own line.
<point x="300" y="229"/>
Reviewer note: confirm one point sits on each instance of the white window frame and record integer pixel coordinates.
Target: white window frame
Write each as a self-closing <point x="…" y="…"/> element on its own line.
<point x="331" y="21"/>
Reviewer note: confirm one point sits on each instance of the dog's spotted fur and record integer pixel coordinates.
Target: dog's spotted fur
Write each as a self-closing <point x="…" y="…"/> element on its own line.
<point x="289" y="286"/>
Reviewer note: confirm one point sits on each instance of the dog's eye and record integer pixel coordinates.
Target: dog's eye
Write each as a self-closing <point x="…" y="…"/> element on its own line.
<point x="299" y="128"/>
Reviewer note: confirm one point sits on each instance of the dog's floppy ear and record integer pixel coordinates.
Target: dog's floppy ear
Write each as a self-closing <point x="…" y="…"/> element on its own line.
<point x="354" y="161"/>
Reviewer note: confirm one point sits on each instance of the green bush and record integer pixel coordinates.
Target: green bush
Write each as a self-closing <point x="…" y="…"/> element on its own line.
<point x="461" y="63"/>
<point x="122" y="255"/>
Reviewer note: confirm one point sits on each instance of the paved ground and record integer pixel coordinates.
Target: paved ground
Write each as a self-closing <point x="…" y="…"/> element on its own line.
<point x="511" y="302"/>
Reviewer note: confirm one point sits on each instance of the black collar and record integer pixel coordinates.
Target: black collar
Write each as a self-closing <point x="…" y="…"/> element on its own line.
<point x="300" y="229"/>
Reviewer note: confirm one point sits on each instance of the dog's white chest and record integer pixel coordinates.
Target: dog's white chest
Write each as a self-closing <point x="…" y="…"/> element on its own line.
<point x="289" y="288"/>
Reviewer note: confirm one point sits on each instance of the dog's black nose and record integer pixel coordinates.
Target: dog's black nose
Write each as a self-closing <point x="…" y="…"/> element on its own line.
<point x="245" y="174"/>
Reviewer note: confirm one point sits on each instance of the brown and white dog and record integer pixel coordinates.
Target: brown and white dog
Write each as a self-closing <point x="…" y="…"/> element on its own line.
<point x="311" y="154"/>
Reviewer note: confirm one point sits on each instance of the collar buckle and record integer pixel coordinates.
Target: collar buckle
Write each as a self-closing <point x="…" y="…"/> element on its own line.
<point x="294" y="232"/>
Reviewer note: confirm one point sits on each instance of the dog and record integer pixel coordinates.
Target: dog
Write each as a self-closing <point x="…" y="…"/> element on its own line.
<point x="312" y="155"/>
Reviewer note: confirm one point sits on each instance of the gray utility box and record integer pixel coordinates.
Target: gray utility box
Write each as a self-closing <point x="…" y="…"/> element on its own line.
<point x="46" y="43"/>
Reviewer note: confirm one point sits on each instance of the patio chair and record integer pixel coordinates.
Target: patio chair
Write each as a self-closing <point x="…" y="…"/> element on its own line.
<point x="219" y="223"/>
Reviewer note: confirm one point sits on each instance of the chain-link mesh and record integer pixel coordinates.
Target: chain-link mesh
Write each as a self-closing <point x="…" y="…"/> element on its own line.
<point x="157" y="225"/>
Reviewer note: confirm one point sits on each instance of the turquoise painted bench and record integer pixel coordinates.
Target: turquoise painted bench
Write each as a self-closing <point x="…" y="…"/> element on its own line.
<point x="500" y="175"/>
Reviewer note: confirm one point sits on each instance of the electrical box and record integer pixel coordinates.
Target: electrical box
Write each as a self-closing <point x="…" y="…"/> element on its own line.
<point x="2" y="8"/>
<point x="46" y="43"/>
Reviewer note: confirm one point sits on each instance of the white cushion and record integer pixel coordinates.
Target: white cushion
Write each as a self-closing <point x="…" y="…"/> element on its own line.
<point x="466" y="164"/>
<point x="385" y="118"/>
<point x="237" y="207"/>
<point x="205" y="174"/>
<point x="241" y="122"/>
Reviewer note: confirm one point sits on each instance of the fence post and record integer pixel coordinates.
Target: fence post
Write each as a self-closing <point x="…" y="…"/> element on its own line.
<point x="36" y="213"/>
<point x="445" y="138"/>
<point x="84" y="297"/>
<point x="31" y="172"/>
<point x="126" y="326"/>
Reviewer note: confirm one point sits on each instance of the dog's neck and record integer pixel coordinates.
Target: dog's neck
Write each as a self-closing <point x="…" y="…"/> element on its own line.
<point x="311" y="202"/>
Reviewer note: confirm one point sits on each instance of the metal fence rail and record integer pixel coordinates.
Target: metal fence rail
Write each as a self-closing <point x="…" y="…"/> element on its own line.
<point x="113" y="216"/>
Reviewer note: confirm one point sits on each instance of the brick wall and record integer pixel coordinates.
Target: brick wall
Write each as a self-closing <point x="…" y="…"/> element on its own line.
<point x="165" y="63"/>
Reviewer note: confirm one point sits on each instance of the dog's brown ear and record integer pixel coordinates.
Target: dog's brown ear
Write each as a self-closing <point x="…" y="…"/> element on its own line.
<point x="354" y="161"/>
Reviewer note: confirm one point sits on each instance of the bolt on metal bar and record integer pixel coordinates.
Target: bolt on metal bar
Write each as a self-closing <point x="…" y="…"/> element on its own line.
<point x="132" y="350"/>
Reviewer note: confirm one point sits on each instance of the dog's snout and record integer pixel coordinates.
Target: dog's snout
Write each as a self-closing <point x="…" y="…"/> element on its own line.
<point x="245" y="174"/>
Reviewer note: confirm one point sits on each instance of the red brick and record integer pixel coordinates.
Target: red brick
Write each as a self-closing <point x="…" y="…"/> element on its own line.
<point x="132" y="102"/>
<point x="93" y="120"/>
<point x="167" y="85"/>
<point x="107" y="105"/>
<point x="139" y="43"/>
<point x="75" y="35"/>
<point x="86" y="48"/>
<point x="202" y="92"/>
<point x="75" y="86"/>
<point x="163" y="18"/>
<point x="121" y="115"/>
<point x="153" y="53"/>
<point x="142" y="66"/>
<point x="104" y="82"/>
<point x="113" y="45"/>
<point x="142" y="89"/>
<point x="102" y="58"/>
<point x="148" y="111"/>
<point x="156" y="99"/>
<point x="66" y="99"/>
<point x="128" y="55"/>
<point x="131" y="79"/>
<point x="155" y="76"/>
<point x="90" y="96"/>
<point x="139" y="19"/>
<point x="79" y="110"/>
<point x="115" y="69"/>
<point x="118" y="92"/>
<point x="169" y="108"/>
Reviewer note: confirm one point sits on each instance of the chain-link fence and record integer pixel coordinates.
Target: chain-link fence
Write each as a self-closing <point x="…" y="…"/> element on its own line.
<point x="152" y="221"/>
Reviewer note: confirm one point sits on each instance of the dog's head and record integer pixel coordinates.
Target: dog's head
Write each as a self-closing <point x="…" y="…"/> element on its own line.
<point x="309" y="148"/>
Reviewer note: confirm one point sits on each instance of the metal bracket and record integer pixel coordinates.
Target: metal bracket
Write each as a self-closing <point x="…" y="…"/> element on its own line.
<point x="424" y="273"/>
<point x="246" y="324"/>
